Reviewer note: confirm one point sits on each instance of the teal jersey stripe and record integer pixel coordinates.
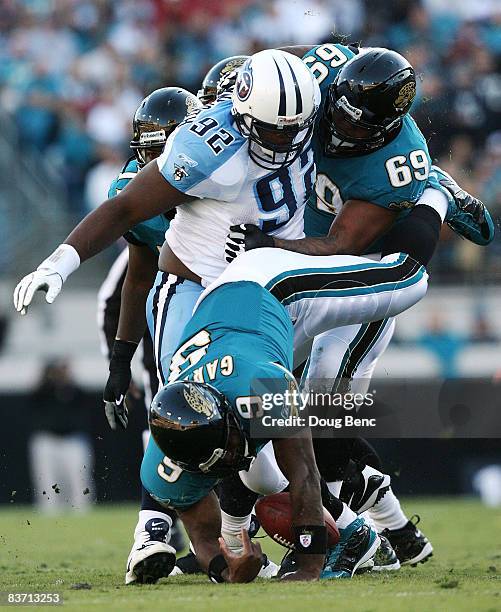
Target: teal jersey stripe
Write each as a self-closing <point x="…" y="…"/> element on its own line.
<point x="354" y="291"/>
<point x="341" y="269"/>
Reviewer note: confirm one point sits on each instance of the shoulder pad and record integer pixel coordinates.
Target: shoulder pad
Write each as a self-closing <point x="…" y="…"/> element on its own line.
<point x="204" y="158"/>
<point x="326" y="60"/>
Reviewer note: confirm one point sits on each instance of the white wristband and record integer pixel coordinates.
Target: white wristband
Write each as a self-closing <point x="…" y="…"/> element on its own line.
<point x="436" y="199"/>
<point x="64" y="260"/>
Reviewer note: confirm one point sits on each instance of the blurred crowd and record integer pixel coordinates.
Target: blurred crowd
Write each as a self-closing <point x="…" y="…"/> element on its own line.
<point x="72" y="73"/>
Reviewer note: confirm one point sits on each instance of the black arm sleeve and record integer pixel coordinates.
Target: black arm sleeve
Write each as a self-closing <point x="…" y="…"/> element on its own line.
<point x="417" y="235"/>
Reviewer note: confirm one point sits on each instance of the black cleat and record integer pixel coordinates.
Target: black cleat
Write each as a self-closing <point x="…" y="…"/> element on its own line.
<point x="188" y="565"/>
<point x="153" y="568"/>
<point x="411" y="546"/>
<point x="363" y="486"/>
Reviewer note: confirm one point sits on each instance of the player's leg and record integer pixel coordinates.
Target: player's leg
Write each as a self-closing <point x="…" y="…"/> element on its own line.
<point x="170" y="486"/>
<point x="327" y="297"/>
<point x="350" y="354"/>
<point x="169" y="307"/>
<point x="150" y="385"/>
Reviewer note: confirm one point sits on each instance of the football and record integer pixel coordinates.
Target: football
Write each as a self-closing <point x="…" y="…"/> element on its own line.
<point x="274" y="514"/>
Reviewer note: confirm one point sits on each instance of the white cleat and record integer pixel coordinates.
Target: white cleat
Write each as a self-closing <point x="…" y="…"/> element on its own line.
<point x="151" y="557"/>
<point x="269" y="569"/>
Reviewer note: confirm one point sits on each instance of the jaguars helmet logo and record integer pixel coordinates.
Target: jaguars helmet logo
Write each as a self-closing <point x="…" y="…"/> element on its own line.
<point x="405" y="96"/>
<point x="244" y="81"/>
<point x="231" y="66"/>
<point x="197" y="401"/>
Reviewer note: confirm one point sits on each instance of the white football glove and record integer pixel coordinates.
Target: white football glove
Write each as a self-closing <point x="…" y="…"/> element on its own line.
<point x="40" y="280"/>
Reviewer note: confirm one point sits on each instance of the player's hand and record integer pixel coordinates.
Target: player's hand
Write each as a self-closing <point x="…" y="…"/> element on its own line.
<point x="245" y="237"/>
<point x="118" y="384"/>
<point x="466" y="215"/>
<point x="243" y="567"/>
<point x="464" y="200"/>
<point x="40" y="280"/>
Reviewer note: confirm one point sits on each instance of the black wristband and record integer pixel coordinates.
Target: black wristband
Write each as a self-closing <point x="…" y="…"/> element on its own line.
<point x="123" y="350"/>
<point x="217" y="566"/>
<point x="310" y="539"/>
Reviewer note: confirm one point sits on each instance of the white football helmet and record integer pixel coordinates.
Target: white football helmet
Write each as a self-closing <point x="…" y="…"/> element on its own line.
<point x="275" y="102"/>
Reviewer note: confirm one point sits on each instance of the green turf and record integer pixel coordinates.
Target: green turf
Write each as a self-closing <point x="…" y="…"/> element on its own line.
<point x="51" y="554"/>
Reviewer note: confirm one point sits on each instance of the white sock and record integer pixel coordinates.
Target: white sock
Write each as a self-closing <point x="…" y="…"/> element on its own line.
<point x="387" y="513"/>
<point x="347" y="517"/>
<point x="146" y="515"/>
<point x="231" y="527"/>
<point x="335" y="487"/>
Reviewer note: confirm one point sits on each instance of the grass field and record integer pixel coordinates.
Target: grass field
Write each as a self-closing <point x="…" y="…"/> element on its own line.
<point x="53" y="554"/>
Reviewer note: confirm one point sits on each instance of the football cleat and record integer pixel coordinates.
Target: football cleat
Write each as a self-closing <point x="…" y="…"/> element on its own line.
<point x="385" y="558"/>
<point x="357" y="546"/>
<point x="411" y="546"/>
<point x="269" y="569"/>
<point x="288" y="564"/>
<point x="187" y="565"/>
<point x="363" y="486"/>
<point x="151" y="557"/>
<point x="467" y="216"/>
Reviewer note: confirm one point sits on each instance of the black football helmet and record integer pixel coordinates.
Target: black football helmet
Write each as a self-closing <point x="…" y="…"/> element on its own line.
<point x="156" y="117"/>
<point x="366" y="102"/>
<point x="194" y="425"/>
<point x="217" y="73"/>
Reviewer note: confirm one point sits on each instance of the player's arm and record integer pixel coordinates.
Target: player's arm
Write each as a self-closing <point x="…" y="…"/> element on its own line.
<point x="139" y="278"/>
<point x="296" y="460"/>
<point x="353" y="230"/>
<point x="203" y="524"/>
<point x="146" y="196"/>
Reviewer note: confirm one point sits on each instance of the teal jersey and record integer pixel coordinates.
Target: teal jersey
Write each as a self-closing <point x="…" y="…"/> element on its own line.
<point x="149" y="233"/>
<point x="232" y="341"/>
<point x="394" y="176"/>
<point x="239" y="340"/>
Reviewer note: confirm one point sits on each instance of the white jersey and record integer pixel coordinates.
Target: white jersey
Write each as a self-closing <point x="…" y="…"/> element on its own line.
<point x="208" y="159"/>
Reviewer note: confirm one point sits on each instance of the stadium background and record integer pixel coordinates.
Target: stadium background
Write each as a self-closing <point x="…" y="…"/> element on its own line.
<point x="71" y="76"/>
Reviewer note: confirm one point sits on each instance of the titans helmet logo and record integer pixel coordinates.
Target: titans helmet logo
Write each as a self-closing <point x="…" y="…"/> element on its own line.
<point x="244" y="81"/>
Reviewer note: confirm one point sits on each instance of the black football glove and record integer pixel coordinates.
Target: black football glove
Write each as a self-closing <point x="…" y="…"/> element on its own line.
<point x="118" y="383"/>
<point x="245" y="237"/>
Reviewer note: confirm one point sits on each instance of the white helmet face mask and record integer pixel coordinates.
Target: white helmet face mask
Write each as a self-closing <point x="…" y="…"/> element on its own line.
<point x="275" y="102"/>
